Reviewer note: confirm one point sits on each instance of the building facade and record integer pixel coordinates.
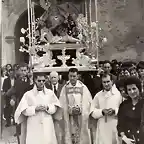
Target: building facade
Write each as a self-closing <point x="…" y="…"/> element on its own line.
<point x="121" y="21"/>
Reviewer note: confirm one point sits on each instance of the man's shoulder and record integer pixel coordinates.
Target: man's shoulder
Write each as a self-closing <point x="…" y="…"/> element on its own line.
<point x="28" y="92"/>
<point x="48" y="91"/>
<point x="99" y="94"/>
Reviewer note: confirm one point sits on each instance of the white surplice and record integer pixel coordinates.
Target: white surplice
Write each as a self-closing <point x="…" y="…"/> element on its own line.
<point x="39" y="125"/>
<point x="106" y="131"/>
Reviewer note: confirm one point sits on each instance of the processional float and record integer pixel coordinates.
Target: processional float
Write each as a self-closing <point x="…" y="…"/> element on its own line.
<point x="86" y="45"/>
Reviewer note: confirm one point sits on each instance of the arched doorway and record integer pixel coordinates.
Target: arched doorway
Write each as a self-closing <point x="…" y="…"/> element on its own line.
<point x="23" y="23"/>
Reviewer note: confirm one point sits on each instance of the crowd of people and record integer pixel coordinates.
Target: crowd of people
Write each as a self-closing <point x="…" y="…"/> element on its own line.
<point x="100" y="107"/>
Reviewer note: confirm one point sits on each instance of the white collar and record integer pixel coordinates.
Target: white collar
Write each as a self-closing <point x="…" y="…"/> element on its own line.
<point x="78" y="84"/>
<point x="113" y="90"/>
<point x="36" y="91"/>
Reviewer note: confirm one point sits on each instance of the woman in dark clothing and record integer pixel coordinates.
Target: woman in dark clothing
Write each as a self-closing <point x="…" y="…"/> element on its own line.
<point x="129" y="115"/>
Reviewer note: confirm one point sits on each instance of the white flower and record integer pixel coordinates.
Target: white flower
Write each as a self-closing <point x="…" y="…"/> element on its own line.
<point x="80" y="36"/>
<point x="23" y="30"/>
<point x="93" y="24"/>
<point x="22" y="39"/>
<point x="104" y="40"/>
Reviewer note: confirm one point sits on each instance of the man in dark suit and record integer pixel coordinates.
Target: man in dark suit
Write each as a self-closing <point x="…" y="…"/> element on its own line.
<point x="22" y="84"/>
<point x="54" y="85"/>
<point x="7" y="86"/>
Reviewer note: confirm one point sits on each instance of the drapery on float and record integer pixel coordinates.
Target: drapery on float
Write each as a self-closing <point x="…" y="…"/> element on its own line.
<point x="62" y="37"/>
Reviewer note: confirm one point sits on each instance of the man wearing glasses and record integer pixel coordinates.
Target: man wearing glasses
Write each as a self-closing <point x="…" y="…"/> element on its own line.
<point x="35" y="113"/>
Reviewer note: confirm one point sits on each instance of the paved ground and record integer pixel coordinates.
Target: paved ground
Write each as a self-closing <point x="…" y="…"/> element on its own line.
<point x="7" y="135"/>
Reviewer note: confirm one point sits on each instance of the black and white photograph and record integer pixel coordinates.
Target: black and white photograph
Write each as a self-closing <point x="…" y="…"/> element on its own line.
<point x="72" y="71"/>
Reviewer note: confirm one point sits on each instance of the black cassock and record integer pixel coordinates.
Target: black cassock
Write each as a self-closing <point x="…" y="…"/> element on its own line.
<point x="129" y="119"/>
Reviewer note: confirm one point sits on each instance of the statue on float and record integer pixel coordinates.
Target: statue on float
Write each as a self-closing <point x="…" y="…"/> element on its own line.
<point x="58" y="24"/>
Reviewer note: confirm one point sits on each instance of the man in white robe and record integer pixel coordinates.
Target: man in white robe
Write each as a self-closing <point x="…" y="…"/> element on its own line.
<point x="104" y="109"/>
<point x="75" y="99"/>
<point x="35" y="114"/>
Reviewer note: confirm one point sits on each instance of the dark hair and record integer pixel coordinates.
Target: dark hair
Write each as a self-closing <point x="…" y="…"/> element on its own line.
<point x="133" y="80"/>
<point x="11" y="70"/>
<point x="16" y="66"/>
<point x="114" y="61"/>
<point x="35" y="75"/>
<point x="8" y="65"/>
<point x="105" y="74"/>
<point x="107" y="61"/>
<point x="24" y="65"/>
<point x="120" y="83"/>
<point x="140" y="65"/>
<point x="101" y="62"/>
<point x="73" y="70"/>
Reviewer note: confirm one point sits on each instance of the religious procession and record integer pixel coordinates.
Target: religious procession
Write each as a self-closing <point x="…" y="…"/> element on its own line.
<point x="62" y="87"/>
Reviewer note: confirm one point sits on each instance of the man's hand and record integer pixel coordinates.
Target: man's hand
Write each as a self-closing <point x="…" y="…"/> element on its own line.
<point x="128" y="140"/>
<point x="41" y="108"/>
<point x="105" y="112"/>
<point x="76" y="110"/>
<point x="111" y="111"/>
<point x="12" y="102"/>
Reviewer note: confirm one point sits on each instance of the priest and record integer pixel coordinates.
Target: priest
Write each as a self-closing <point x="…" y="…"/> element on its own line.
<point x="75" y="99"/>
<point x="104" y="109"/>
<point x="36" y="112"/>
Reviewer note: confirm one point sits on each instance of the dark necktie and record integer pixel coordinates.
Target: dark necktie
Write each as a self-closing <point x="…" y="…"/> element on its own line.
<point x="55" y="91"/>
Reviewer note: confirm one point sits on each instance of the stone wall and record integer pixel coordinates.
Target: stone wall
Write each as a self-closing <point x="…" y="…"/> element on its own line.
<point x="11" y="11"/>
<point x="121" y="22"/>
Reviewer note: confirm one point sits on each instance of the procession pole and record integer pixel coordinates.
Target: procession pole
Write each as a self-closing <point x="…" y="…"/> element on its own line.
<point x="29" y="27"/>
<point x="90" y="28"/>
<point x="97" y="32"/>
<point x="86" y="13"/>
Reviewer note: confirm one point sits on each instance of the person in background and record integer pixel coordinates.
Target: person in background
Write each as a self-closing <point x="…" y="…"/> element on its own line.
<point x="140" y="69"/>
<point x="97" y="82"/>
<point x="22" y="84"/>
<point x="129" y="115"/>
<point x="142" y="126"/>
<point x="75" y="99"/>
<point x="3" y="77"/>
<point x="47" y="79"/>
<point x="115" y="67"/>
<point x="107" y="68"/>
<point x="54" y="85"/>
<point x="133" y="71"/>
<point x="35" y="113"/>
<point x="104" y="109"/>
<point x="120" y="84"/>
<point x="7" y="86"/>
<point x="8" y="67"/>
<point x="101" y="64"/>
<point x="16" y="70"/>
<point x="123" y="73"/>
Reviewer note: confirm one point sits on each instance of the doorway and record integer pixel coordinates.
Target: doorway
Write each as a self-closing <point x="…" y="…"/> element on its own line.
<point x="23" y="23"/>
